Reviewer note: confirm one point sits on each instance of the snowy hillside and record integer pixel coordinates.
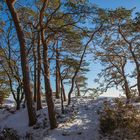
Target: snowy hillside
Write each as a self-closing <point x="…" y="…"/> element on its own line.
<point x="79" y="122"/>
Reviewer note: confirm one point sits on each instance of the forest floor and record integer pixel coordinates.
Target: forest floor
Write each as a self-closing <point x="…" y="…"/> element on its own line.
<point x="79" y="122"/>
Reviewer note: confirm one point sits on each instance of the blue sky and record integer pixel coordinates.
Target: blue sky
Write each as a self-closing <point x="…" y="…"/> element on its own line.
<point x="117" y="3"/>
<point x="96" y="67"/>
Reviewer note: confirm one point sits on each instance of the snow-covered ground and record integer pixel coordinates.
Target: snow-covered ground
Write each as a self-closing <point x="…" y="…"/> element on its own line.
<point x="85" y="124"/>
<point x="82" y="123"/>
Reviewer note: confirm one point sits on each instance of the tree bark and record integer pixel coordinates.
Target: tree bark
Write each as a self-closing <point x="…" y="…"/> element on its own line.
<point x="24" y="62"/>
<point x="57" y="76"/>
<point x="62" y="85"/>
<point x="18" y="97"/>
<point x="78" y="90"/>
<point x="48" y="89"/>
<point x="63" y="91"/>
<point x="62" y="105"/>
<point x="35" y="71"/>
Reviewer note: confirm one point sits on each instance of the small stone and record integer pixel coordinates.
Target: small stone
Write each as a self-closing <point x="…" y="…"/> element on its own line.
<point x="65" y="133"/>
<point x="79" y="133"/>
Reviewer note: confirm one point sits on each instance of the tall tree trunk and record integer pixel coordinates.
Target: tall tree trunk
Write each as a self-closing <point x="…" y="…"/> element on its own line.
<point x="48" y="89"/>
<point x="35" y="71"/>
<point x="24" y="62"/>
<point x="57" y="76"/>
<point x="39" y="105"/>
<point x="18" y="101"/>
<point x="63" y="96"/>
<point x="138" y="82"/>
<point x="63" y="91"/>
<point x="18" y="98"/>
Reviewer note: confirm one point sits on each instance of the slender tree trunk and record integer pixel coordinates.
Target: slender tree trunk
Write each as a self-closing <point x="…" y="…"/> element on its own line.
<point x="63" y="96"/>
<point x="57" y="76"/>
<point x="137" y="67"/>
<point x="138" y="82"/>
<point x="78" y="90"/>
<point x="35" y="71"/>
<point x="18" y="98"/>
<point x="62" y="105"/>
<point x="24" y="62"/>
<point x="62" y="87"/>
<point x="80" y="63"/>
<point x="39" y="105"/>
<point x="61" y="82"/>
<point x="63" y="91"/>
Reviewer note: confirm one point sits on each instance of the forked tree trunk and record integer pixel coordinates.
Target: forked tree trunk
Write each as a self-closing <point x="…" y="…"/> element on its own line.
<point x="63" y="94"/>
<point x="126" y="85"/>
<point x="137" y="69"/>
<point x="127" y="90"/>
<point x="39" y="105"/>
<point x="24" y="62"/>
<point x="134" y="58"/>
